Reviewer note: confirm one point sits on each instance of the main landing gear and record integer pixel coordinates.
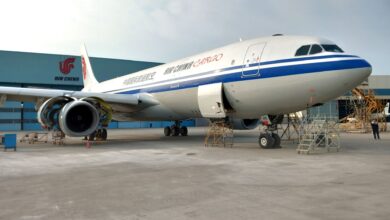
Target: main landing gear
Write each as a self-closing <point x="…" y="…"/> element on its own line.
<point x="176" y="130"/>
<point x="268" y="139"/>
<point x="98" y="135"/>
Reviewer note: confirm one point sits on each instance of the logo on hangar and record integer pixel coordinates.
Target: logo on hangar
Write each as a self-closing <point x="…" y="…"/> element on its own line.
<point x="65" y="68"/>
<point x="67" y="65"/>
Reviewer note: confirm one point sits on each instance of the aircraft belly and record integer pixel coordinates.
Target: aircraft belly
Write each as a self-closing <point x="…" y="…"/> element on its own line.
<point x="183" y="102"/>
<point x="279" y="95"/>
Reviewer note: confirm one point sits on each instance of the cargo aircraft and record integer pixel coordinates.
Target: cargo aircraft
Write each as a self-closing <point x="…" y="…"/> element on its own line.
<point x="238" y="83"/>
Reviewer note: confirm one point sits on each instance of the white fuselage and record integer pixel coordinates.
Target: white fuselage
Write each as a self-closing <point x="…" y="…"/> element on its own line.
<point x="258" y="77"/>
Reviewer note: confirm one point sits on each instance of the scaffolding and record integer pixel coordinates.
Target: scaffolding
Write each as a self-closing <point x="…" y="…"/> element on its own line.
<point x="35" y="137"/>
<point x="319" y="136"/>
<point x="364" y="107"/>
<point x="219" y="133"/>
<point x="291" y="131"/>
<point x="58" y="137"/>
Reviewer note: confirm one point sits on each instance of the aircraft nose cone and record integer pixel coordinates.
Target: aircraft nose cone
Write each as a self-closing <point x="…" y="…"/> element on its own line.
<point x="367" y="70"/>
<point x="361" y="69"/>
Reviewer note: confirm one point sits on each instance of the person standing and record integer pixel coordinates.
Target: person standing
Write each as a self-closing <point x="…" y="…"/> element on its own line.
<point x="375" y="129"/>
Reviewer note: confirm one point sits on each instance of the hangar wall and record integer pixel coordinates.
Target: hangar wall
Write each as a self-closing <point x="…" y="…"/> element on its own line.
<point x="37" y="70"/>
<point x="339" y="108"/>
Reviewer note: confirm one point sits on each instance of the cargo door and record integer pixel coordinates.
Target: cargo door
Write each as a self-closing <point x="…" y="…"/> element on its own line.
<point x="210" y="101"/>
<point x="251" y="65"/>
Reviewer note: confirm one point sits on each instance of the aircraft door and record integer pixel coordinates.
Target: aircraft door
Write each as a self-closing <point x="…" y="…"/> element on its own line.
<point x="252" y="59"/>
<point x="210" y="101"/>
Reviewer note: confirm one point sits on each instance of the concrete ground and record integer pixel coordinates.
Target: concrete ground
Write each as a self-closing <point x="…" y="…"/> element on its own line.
<point x="140" y="174"/>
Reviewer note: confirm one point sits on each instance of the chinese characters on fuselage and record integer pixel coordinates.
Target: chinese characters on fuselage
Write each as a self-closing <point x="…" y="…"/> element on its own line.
<point x="138" y="79"/>
<point x="193" y="64"/>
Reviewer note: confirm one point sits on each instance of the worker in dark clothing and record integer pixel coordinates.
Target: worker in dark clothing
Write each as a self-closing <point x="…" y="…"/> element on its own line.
<point x="375" y="129"/>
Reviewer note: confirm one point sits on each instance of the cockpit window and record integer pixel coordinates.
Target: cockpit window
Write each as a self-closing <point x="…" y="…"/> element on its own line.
<point x="332" y="48"/>
<point x="315" y="49"/>
<point x="302" y="51"/>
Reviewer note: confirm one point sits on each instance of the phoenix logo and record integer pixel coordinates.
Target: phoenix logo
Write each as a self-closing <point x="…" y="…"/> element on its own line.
<point x="84" y="67"/>
<point x="67" y="65"/>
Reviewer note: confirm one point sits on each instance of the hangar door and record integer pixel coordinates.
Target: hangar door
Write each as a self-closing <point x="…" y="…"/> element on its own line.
<point x="252" y="59"/>
<point x="210" y="101"/>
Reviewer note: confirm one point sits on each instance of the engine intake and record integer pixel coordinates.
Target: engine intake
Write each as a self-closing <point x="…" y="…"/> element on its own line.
<point x="245" y="124"/>
<point x="78" y="118"/>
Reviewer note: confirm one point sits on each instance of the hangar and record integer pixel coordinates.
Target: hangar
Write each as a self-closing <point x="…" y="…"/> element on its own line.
<point x="38" y="70"/>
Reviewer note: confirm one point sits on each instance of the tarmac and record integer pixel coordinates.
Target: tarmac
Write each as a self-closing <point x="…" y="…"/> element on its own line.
<point x="140" y="174"/>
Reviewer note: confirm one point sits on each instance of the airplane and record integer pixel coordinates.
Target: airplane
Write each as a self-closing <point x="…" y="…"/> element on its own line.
<point x="238" y="83"/>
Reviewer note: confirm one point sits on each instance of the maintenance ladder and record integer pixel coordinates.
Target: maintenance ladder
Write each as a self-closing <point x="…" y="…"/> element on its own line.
<point x="319" y="136"/>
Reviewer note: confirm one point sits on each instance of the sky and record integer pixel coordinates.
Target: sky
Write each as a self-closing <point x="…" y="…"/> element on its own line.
<point x="165" y="30"/>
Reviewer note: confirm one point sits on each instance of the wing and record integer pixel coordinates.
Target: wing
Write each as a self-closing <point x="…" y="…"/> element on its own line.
<point x="118" y="102"/>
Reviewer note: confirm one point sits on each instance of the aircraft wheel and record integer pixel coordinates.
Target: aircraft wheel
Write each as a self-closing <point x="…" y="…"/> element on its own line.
<point x="277" y="140"/>
<point x="99" y="134"/>
<point x="167" y="131"/>
<point x="184" y="131"/>
<point x="104" y="134"/>
<point x="175" y="131"/>
<point x="266" y="141"/>
<point x="92" y="136"/>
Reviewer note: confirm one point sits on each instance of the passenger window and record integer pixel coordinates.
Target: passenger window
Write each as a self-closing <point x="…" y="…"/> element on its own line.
<point x="315" y="49"/>
<point x="302" y="51"/>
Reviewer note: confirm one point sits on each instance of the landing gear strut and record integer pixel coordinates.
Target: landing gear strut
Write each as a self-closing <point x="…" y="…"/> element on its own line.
<point x="98" y="135"/>
<point x="176" y="130"/>
<point x="268" y="139"/>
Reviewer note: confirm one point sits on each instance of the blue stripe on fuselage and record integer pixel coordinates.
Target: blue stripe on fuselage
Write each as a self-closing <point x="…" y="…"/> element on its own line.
<point x="264" y="73"/>
<point x="243" y="66"/>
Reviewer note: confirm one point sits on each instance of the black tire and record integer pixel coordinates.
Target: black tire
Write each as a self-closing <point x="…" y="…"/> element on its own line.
<point x="266" y="141"/>
<point x="184" y="131"/>
<point x="92" y="136"/>
<point x="104" y="134"/>
<point x="277" y="140"/>
<point x="175" y="131"/>
<point x="167" y="131"/>
<point x="98" y="134"/>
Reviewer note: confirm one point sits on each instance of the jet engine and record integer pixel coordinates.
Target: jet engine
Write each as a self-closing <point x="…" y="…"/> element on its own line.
<point x="76" y="118"/>
<point x="245" y="124"/>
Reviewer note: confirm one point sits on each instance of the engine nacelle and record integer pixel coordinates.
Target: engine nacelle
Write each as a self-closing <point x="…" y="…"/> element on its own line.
<point x="245" y="124"/>
<point x="79" y="118"/>
<point x="47" y="114"/>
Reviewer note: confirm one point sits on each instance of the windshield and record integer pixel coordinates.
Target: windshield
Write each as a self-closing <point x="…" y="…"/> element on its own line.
<point x="332" y="48"/>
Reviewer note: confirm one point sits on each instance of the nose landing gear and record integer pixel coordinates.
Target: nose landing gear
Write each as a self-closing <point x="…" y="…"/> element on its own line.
<point x="268" y="138"/>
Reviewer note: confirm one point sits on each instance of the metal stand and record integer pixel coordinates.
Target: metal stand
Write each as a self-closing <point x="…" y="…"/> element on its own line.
<point x="220" y="133"/>
<point x="319" y="136"/>
<point x="58" y="137"/>
<point x="291" y="131"/>
<point x="35" y="137"/>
